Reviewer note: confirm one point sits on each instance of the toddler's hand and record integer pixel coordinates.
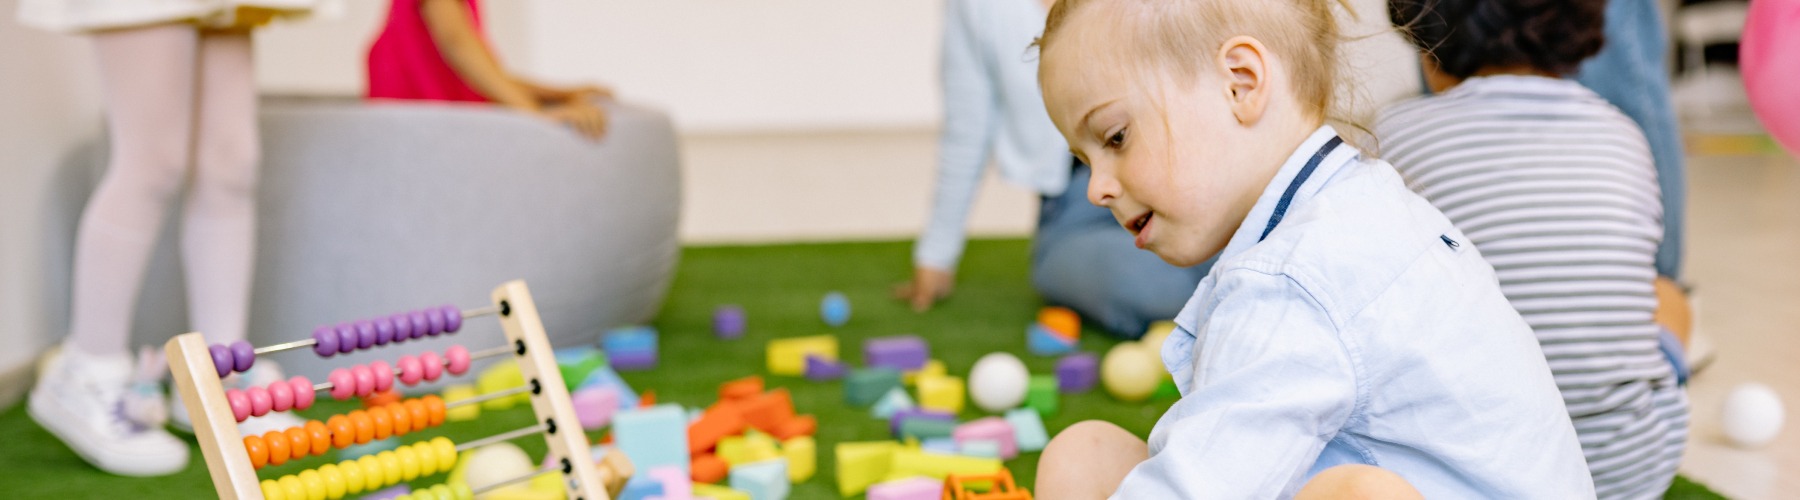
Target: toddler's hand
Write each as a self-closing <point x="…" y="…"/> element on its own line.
<point x="587" y="119"/>
<point x="928" y="286"/>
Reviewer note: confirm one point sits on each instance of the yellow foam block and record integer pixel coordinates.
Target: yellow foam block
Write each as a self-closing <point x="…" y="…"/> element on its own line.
<point x="862" y="464"/>
<point x="462" y="413"/>
<point x="937" y="465"/>
<point x="942" y="393"/>
<point x="749" y="448"/>
<point x="500" y="377"/>
<point x="716" y="492"/>
<point x="802" y="458"/>
<point x="932" y="368"/>
<point x="788" y="356"/>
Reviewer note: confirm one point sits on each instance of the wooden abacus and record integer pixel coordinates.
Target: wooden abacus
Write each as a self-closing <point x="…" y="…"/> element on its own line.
<point x="234" y="460"/>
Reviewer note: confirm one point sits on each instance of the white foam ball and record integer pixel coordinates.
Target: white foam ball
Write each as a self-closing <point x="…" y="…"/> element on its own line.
<point x="1752" y="415"/>
<point x="497" y="462"/>
<point x="998" y="382"/>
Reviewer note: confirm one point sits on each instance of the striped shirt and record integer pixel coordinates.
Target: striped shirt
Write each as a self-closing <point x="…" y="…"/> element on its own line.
<point x="1557" y="189"/>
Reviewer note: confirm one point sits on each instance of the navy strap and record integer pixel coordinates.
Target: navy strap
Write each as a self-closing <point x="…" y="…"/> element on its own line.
<point x="1294" y="187"/>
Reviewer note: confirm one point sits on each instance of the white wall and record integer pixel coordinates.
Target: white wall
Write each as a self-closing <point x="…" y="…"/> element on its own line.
<point x="49" y="100"/>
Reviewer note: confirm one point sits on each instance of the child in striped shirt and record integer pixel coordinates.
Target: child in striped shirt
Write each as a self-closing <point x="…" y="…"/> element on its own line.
<point x="1557" y="189"/>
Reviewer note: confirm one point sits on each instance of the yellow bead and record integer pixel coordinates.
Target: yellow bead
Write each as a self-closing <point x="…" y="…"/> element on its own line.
<point x="446" y="452"/>
<point x="441" y="492"/>
<point x="428" y="457"/>
<point x="409" y="462"/>
<point x="272" y="490"/>
<point x="334" y="481"/>
<point x="390" y="467"/>
<point x="373" y="475"/>
<point x="315" y="485"/>
<point x="353" y="476"/>
<point x="462" y="491"/>
<point x="296" y="490"/>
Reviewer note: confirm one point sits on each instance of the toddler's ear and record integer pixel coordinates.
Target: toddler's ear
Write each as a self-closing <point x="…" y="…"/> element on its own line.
<point x="1244" y="63"/>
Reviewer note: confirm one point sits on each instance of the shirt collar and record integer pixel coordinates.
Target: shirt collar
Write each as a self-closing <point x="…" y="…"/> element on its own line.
<point x="1250" y="231"/>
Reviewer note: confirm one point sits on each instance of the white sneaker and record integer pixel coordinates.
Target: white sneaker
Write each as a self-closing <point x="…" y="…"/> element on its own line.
<point x="94" y="406"/>
<point x="263" y="373"/>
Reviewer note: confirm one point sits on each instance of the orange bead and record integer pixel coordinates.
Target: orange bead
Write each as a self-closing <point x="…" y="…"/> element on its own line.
<point x="436" y="405"/>
<point x="318" y="436"/>
<point x="278" y="447"/>
<point x="383" y="398"/>
<point x="259" y="451"/>
<point x="402" y="419"/>
<point x="343" y="434"/>
<point x="299" y="443"/>
<point x="421" y="417"/>
<point x="384" y="423"/>
<point x="365" y="429"/>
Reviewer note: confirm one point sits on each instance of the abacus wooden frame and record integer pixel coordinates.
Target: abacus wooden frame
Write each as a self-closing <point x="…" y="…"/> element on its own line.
<point x="229" y="464"/>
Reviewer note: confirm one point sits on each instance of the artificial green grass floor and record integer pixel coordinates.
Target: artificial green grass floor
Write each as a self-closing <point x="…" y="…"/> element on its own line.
<point x="779" y="287"/>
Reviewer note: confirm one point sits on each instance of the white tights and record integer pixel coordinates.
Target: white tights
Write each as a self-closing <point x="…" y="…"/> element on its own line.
<point x="181" y="109"/>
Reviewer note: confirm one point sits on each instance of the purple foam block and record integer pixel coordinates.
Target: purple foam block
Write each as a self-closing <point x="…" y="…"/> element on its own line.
<point x="820" y="369"/>
<point x="901" y="352"/>
<point x="729" y="322"/>
<point x="1077" y="372"/>
<point x="632" y="361"/>
<point x="904" y="415"/>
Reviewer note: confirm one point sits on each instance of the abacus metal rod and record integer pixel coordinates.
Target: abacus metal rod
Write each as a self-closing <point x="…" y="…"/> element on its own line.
<point x="484" y="353"/>
<point x="504" y="436"/>
<point x="488" y="396"/>
<point x="521" y="478"/>
<point x="466" y="314"/>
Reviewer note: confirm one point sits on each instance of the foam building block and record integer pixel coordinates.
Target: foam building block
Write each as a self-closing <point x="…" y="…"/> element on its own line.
<point x="1077" y="373"/>
<point x="917" y="488"/>
<point x="653" y="437"/>
<point x="924" y="428"/>
<point x="500" y="377"/>
<point x="994" y="429"/>
<point x="708" y="468"/>
<point x="819" y="369"/>
<point x="803" y="425"/>
<point x="1028" y="429"/>
<point x="835" y="309"/>
<point x="1061" y="321"/>
<point x="1042" y="394"/>
<point x="716" y="492"/>
<point x="943" y="393"/>
<point x="1166" y="390"/>
<point x="641" y="488"/>
<point x="631" y="348"/>
<point x="864" y="387"/>
<point x="769" y="411"/>
<point x="713" y="425"/>
<point x="576" y="363"/>
<point x="862" y="464"/>
<point x="920" y="413"/>
<point x="595" y="406"/>
<point x="749" y="448"/>
<point x="945" y="446"/>
<point x="900" y="352"/>
<point x="765" y="480"/>
<point x="893" y="402"/>
<point x="604" y="376"/>
<point x="1041" y="341"/>
<point x="939" y="466"/>
<point x="788" y="356"/>
<point x="462" y="413"/>
<point x="675" y="484"/>
<point x="729" y="322"/>
<point x="932" y="368"/>
<point x="802" y="455"/>
<point x="980" y="448"/>
<point x="743" y="388"/>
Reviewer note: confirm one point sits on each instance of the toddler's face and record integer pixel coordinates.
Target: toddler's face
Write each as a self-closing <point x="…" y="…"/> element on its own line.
<point x="1166" y="154"/>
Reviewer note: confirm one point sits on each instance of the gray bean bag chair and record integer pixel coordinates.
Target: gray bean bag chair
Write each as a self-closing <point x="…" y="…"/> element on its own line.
<point x="372" y="208"/>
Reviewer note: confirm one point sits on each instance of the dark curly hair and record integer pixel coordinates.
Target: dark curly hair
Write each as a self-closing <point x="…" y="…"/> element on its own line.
<point x="1464" y="36"/>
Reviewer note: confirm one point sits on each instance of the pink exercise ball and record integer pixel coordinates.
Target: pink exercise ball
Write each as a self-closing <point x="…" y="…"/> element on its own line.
<point x="1769" y="57"/>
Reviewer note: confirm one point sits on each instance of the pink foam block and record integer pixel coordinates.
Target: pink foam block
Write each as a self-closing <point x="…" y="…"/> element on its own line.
<point x="595" y="406"/>
<point x="675" y="483"/>
<point x="918" y="488"/>
<point x="989" y="429"/>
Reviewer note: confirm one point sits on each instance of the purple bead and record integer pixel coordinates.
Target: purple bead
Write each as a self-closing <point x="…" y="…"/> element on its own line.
<point x="403" y="326"/>
<point x="384" y="329"/>
<point x="452" y="318"/>
<point x="435" y="321"/>
<point x="243" y="356"/>
<point x="419" y="323"/>
<point x="221" y="359"/>
<point x="364" y="338"/>
<point x="367" y="329"/>
<point x="346" y="339"/>
<point x="325" y="342"/>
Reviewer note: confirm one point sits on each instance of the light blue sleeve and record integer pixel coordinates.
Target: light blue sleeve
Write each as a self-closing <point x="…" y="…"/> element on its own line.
<point x="970" y="120"/>
<point x="1272" y="384"/>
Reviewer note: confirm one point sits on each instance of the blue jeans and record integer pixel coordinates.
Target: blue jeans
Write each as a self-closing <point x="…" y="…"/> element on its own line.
<point x="1631" y="71"/>
<point x="1082" y="259"/>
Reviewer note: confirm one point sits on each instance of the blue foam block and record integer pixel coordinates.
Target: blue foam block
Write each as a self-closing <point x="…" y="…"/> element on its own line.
<point x="1041" y="341"/>
<point x="765" y="480"/>
<point x="606" y="376"/>
<point x="653" y="437"/>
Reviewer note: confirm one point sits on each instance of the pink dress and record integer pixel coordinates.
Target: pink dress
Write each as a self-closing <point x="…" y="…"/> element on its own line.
<point x="404" y="61"/>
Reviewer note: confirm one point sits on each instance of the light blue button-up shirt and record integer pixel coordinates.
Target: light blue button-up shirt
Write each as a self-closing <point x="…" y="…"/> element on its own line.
<point x="1362" y="329"/>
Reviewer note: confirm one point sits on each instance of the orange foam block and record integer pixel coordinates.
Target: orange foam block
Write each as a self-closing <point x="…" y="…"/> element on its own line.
<point x="743" y="388"/>
<point x="804" y="425"/>
<point x="708" y="468"/>
<point x="770" y="411"/>
<point x="1061" y="320"/>
<point x="705" y="433"/>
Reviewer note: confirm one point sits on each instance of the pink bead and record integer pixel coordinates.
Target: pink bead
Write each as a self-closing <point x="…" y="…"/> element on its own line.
<point x="384" y="375"/>
<point x="432" y="364"/>
<point x="410" y="370"/>
<point x="458" y="359"/>
<point x="281" y="396"/>
<point x="365" y="380"/>
<point x="259" y="401"/>
<point x="303" y="392"/>
<point x="343" y="384"/>
<point x="240" y="404"/>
